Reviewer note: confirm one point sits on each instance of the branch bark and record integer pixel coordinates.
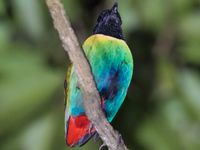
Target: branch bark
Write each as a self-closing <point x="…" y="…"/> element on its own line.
<point x="111" y="138"/>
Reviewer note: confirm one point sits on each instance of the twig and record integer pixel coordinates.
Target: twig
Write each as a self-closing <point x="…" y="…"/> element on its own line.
<point x="111" y="138"/>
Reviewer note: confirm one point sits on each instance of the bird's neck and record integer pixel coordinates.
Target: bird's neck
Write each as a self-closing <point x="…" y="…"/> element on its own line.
<point x="109" y="29"/>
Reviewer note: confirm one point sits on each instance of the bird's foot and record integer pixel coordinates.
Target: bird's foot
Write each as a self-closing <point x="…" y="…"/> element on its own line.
<point x="96" y="137"/>
<point x="91" y="128"/>
<point x="120" y="140"/>
<point x="102" y="145"/>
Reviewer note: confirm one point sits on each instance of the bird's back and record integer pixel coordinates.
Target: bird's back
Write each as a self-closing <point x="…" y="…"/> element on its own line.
<point x="112" y="65"/>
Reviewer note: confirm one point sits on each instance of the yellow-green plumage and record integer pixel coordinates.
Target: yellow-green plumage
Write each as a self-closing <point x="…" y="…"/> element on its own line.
<point x="112" y="66"/>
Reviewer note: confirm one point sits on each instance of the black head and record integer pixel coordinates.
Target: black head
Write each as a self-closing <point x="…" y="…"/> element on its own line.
<point x="109" y="23"/>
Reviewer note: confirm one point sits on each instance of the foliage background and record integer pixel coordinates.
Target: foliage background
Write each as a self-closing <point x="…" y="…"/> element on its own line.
<point x="162" y="108"/>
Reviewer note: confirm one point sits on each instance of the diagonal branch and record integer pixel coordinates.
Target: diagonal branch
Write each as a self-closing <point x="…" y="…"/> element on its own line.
<point x="111" y="138"/>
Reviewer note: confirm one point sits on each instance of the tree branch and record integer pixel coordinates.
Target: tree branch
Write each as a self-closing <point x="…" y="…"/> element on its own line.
<point x="111" y="138"/>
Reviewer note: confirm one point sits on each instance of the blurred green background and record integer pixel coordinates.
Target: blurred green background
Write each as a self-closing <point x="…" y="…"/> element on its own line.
<point x="162" y="108"/>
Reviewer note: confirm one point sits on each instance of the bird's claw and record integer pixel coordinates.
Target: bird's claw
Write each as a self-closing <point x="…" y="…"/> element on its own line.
<point x="102" y="145"/>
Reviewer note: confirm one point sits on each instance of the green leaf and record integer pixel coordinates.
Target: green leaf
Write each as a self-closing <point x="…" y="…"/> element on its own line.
<point x="29" y="17"/>
<point x="38" y="135"/>
<point x="129" y="15"/>
<point x="189" y="51"/>
<point x="153" y="13"/>
<point x="26" y="86"/>
<point x="5" y="32"/>
<point x="188" y="27"/>
<point x="189" y="84"/>
<point x="2" y="7"/>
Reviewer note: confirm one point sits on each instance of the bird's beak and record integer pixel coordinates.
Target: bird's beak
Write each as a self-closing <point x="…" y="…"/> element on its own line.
<point x="114" y="9"/>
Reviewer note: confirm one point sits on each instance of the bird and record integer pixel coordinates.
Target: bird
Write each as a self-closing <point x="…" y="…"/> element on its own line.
<point x="112" y="66"/>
